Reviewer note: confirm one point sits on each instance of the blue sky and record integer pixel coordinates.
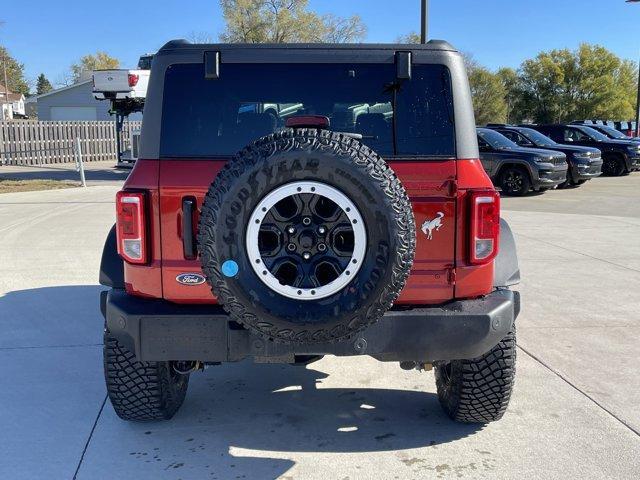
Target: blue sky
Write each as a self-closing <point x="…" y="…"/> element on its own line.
<point x="47" y="36"/>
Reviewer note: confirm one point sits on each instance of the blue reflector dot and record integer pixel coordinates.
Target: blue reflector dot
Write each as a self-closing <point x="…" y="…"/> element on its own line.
<point x="230" y="268"/>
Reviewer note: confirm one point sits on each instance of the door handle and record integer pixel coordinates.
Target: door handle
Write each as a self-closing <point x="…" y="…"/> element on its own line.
<point x="188" y="237"/>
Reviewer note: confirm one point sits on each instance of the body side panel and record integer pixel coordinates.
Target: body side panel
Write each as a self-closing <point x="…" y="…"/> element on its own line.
<point x="146" y="280"/>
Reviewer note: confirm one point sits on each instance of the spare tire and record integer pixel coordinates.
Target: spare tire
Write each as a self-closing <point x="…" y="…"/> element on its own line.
<point x="306" y="236"/>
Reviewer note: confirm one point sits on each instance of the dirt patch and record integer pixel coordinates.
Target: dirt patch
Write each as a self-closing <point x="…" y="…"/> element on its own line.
<point x="8" y="186"/>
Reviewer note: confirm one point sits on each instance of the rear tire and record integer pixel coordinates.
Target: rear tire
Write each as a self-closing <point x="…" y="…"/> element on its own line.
<point x="515" y="181"/>
<point x="141" y="391"/>
<point x="478" y="391"/>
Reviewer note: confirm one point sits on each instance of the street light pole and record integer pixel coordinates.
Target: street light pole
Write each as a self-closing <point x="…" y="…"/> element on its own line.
<point x="637" y="129"/>
<point x="6" y="90"/>
<point x="424" y="17"/>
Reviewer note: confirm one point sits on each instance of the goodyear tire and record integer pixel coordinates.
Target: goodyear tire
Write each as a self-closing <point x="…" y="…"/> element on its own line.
<point x="306" y="236"/>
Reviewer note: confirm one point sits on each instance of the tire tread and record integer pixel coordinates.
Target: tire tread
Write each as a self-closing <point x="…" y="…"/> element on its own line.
<point x="479" y="390"/>
<point x="362" y="157"/>
<point x="140" y="391"/>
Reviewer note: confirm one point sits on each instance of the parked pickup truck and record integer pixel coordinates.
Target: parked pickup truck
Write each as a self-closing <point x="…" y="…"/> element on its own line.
<point x="120" y="84"/>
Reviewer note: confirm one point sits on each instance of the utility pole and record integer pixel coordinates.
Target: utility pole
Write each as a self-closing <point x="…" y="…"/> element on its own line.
<point x="6" y="88"/>
<point x="424" y="18"/>
<point x="637" y="129"/>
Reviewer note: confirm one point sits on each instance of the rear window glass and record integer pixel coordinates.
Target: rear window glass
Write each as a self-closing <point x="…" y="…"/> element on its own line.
<point x="208" y="118"/>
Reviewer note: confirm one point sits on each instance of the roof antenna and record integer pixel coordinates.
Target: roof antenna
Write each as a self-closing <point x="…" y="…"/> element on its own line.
<point x="424" y="17"/>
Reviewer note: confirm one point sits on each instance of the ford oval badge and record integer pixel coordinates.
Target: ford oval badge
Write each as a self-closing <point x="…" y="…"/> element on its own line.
<point x="190" y="279"/>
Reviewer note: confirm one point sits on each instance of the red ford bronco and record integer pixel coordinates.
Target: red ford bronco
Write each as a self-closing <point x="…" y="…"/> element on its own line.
<point x="295" y="201"/>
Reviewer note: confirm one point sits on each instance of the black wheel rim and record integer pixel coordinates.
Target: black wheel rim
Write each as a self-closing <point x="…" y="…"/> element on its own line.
<point x="513" y="181"/>
<point x="310" y="241"/>
<point x="612" y="167"/>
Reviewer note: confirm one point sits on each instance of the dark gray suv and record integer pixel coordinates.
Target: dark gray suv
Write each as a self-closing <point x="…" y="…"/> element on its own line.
<point x="585" y="163"/>
<point x="518" y="170"/>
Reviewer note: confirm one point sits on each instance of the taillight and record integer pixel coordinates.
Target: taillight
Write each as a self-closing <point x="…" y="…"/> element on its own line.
<point x="133" y="79"/>
<point x="131" y="226"/>
<point x="485" y="226"/>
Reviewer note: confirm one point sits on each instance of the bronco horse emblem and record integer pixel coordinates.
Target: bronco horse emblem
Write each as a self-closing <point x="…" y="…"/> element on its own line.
<point x="430" y="225"/>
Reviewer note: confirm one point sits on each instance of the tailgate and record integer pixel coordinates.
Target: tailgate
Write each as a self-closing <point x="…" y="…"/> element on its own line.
<point x="111" y="81"/>
<point x="430" y="185"/>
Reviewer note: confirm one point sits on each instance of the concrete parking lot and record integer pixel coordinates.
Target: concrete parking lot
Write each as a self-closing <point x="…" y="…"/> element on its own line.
<point x="574" y="414"/>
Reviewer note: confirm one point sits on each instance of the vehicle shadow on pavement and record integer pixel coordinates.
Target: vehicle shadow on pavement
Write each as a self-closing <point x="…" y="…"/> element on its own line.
<point x="279" y="408"/>
<point x="276" y="399"/>
<point x="236" y="417"/>
<point x="51" y="316"/>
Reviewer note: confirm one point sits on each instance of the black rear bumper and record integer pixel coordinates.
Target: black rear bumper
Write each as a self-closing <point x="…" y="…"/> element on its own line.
<point x="157" y="330"/>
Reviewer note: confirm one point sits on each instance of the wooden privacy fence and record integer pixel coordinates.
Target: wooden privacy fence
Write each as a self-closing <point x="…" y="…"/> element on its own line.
<point x="46" y="143"/>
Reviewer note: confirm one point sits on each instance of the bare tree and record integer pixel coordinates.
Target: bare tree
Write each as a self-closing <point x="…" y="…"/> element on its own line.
<point x="285" y="21"/>
<point x="199" y="37"/>
<point x="343" y="30"/>
<point x="411" y="37"/>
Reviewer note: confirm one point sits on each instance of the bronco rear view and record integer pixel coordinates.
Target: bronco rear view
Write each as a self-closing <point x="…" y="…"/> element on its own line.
<point x="295" y="201"/>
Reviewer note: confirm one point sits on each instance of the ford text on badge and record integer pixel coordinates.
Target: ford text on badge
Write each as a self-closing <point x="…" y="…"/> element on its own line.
<point x="190" y="279"/>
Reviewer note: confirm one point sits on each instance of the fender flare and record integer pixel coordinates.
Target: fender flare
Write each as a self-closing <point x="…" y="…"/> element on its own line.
<point x="111" y="265"/>
<point x="506" y="269"/>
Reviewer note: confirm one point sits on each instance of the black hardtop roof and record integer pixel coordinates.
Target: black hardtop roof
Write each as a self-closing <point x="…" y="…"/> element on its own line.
<point x="181" y="44"/>
<point x="181" y="52"/>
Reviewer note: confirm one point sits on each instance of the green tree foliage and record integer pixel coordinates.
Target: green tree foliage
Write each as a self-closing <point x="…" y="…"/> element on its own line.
<point x="43" y="85"/>
<point x="511" y="84"/>
<point x="565" y="85"/>
<point x="15" y="73"/>
<point x="285" y="21"/>
<point x="489" y="95"/>
<point x="556" y="86"/>
<point x="88" y="63"/>
<point x="488" y="90"/>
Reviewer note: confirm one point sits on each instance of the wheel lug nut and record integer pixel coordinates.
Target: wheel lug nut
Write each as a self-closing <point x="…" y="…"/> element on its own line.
<point x="321" y="230"/>
<point x="306" y="221"/>
<point x="322" y="247"/>
<point x="291" y="247"/>
<point x="291" y="230"/>
<point x="306" y="255"/>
